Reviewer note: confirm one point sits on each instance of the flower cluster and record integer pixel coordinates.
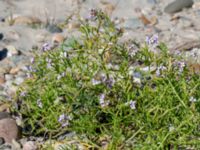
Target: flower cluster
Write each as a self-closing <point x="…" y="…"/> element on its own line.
<point x="93" y="15"/>
<point x="64" y="120"/>
<point x="132" y="104"/>
<point x="102" y="101"/>
<point x="39" y="103"/>
<point x="160" y="69"/>
<point x="132" y="50"/>
<point x="23" y="94"/>
<point x="180" y="65"/>
<point x="152" y="42"/>
<point x="108" y="81"/>
<point x="46" y="47"/>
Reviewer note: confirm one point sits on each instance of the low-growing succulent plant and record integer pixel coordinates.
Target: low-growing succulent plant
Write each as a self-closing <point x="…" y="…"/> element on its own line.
<point x="95" y="86"/>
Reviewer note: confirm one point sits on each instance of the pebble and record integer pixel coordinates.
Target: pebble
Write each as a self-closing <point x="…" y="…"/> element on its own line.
<point x="3" y="53"/>
<point x="30" y="145"/>
<point x="54" y="28"/>
<point x="12" y="50"/>
<point x="2" y="80"/>
<point x="16" y="145"/>
<point x="1" y="36"/>
<point x="109" y="8"/>
<point x="73" y="25"/>
<point x="14" y="35"/>
<point x="177" y="6"/>
<point x="27" y="20"/>
<point x="58" y="38"/>
<point x="9" y="77"/>
<point x="132" y="23"/>
<point x="9" y="130"/>
<point x="19" y="80"/>
<point x="14" y="70"/>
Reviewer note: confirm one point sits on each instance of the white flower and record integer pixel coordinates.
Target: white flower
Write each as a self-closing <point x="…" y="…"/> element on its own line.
<point x="192" y="99"/>
<point x="39" y="103"/>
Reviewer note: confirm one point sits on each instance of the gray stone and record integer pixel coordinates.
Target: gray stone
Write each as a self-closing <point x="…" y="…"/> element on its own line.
<point x="132" y="23"/>
<point x="5" y="147"/>
<point x="8" y="77"/>
<point x="54" y="28"/>
<point x="153" y="2"/>
<point x="178" y="5"/>
<point x="30" y="145"/>
<point x="19" y="80"/>
<point x="9" y="130"/>
<point x="4" y="115"/>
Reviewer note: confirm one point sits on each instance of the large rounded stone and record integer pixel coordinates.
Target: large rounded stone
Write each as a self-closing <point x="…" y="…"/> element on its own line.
<point x="9" y="130"/>
<point x="178" y="5"/>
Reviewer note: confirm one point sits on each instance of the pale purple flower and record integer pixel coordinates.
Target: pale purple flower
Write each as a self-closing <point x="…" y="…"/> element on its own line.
<point x="152" y="40"/>
<point x="64" y="120"/>
<point x="49" y="65"/>
<point x="39" y="103"/>
<point x="110" y="82"/>
<point x="23" y="94"/>
<point x="103" y="77"/>
<point x="192" y="99"/>
<point x="93" y="15"/>
<point x="132" y="104"/>
<point x="61" y="117"/>
<point x="95" y="82"/>
<point x="181" y="66"/>
<point x="102" y="101"/>
<point x="46" y="47"/>
<point x="160" y="69"/>
<point x="29" y="68"/>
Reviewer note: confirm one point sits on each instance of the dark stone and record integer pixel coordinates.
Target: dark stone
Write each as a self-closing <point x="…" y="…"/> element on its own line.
<point x="3" y="53"/>
<point x="2" y="19"/>
<point x="4" y="115"/>
<point x="1" y="36"/>
<point x="178" y="5"/>
<point x="54" y="28"/>
<point x="2" y="141"/>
